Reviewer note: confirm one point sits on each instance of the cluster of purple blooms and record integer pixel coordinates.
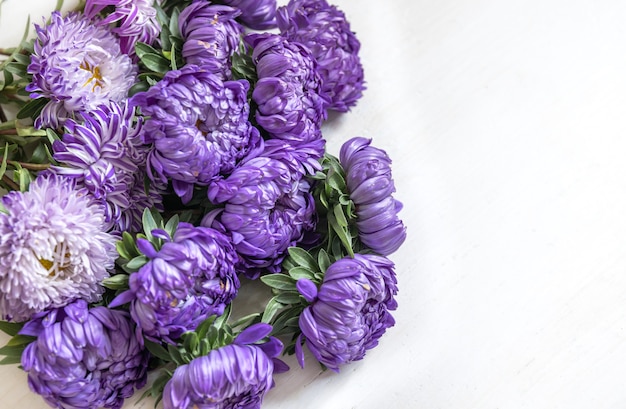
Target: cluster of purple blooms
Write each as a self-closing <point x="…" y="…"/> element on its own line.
<point x="247" y="149"/>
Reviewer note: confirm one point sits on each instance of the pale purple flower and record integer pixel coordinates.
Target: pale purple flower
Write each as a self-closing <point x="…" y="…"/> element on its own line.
<point x="288" y="90"/>
<point x="268" y="207"/>
<point x="53" y="248"/>
<point x="105" y="154"/>
<point x="237" y="375"/>
<point x="370" y="183"/>
<point x="78" y="66"/>
<point x="199" y="127"/>
<point x="211" y="36"/>
<point x="323" y="28"/>
<point x="256" y="14"/>
<point x="84" y="358"/>
<point x="350" y="311"/>
<point x="191" y="277"/>
<point x="131" y="20"/>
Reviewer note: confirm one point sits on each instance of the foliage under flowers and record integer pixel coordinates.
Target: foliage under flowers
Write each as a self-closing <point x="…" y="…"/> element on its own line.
<point x="161" y="157"/>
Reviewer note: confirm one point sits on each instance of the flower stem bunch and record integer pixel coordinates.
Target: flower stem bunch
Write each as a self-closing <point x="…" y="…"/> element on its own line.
<point x="162" y="155"/>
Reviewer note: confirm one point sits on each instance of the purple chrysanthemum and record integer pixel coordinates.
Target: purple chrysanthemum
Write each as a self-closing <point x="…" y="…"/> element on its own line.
<point x="211" y="36"/>
<point x="188" y="279"/>
<point x="288" y="90"/>
<point x="105" y="154"/>
<point x="368" y="176"/>
<point x="132" y="20"/>
<point x="267" y="206"/>
<point x="84" y="358"/>
<point x="78" y="66"/>
<point x="233" y="376"/>
<point x="199" y="127"/>
<point x="326" y="32"/>
<point x="53" y="248"/>
<point x="350" y="312"/>
<point x="256" y="14"/>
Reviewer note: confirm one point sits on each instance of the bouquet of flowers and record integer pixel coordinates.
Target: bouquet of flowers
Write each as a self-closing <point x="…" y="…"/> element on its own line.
<point x="162" y="155"/>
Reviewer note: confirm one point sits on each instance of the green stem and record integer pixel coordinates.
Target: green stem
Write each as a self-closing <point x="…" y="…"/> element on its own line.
<point x="8" y="125"/>
<point x="14" y="186"/>
<point x="30" y="166"/>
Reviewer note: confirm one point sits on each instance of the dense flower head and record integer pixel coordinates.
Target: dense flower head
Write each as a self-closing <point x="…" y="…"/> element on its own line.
<point x="350" y="312"/>
<point x="53" y="248"/>
<point x="211" y="36"/>
<point x="132" y="20"/>
<point x="326" y="32"/>
<point x="236" y="375"/>
<point x="199" y="127"/>
<point x="105" y="154"/>
<point x="268" y="207"/>
<point x="191" y="277"/>
<point x="288" y="90"/>
<point x="84" y="358"/>
<point x="78" y="66"/>
<point x="369" y="180"/>
<point x="256" y="14"/>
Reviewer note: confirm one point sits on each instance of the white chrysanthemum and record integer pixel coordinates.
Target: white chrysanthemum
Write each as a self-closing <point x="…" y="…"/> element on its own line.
<point x="53" y="248"/>
<point x="78" y="66"/>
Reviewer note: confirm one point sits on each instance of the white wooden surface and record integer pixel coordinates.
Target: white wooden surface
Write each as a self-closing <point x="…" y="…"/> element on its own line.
<point x="506" y="124"/>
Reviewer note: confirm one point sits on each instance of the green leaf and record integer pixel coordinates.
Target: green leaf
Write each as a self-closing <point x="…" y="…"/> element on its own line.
<point x="340" y="217"/>
<point x="272" y="307"/>
<point x="52" y="136"/>
<point x="16" y="68"/>
<point x="143" y="49"/>
<point x="11" y="360"/>
<point x="149" y="223"/>
<point x="12" y="350"/>
<point x="3" y="165"/>
<point x="288" y="297"/>
<point x="172" y="225"/>
<point x="20" y="340"/>
<point x="32" y="108"/>
<point x="191" y="342"/>
<point x="137" y="262"/>
<point x="157" y="350"/>
<point x="116" y="282"/>
<point x="301" y="272"/>
<point x="22" y="59"/>
<point x="303" y="258"/>
<point x="138" y="87"/>
<point x="129" y="244"/>
<point x="8" y="77"/>
<point x="323" y="260"/>
<point x="10" y="328"/>
<point x="156" y="63"/>
<point x="279" y="281"/>
<point x="203" y="329"/>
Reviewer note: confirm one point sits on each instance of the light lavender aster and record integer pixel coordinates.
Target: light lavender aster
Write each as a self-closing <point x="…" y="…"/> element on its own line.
<point x="237" y="375"/>
<point x="53" y="248"/>
<point x="131" y="20"/>
<point x="211" y="36"/>
<point x="326" y="32"/>
<point x="256" y="14"/>
<point x="268" y="207"/>
<point x="188" y="279"/>
<point x="350" y="311"/>
<point x="84" y="358"/>
<point x="78" y="66"/>
<point x="369" y="180"/>
<point x="287" y="93"/>
<point x="105" y="154"/>
<point x="199" y="127"/>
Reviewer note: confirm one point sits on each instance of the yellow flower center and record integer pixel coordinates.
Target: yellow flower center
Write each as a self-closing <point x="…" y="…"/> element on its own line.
<point x="60" y="262"/>
<point x="96" y="77"/>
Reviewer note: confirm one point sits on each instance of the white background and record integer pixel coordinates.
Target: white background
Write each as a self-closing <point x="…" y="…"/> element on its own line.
<point x="505" y="122"/>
